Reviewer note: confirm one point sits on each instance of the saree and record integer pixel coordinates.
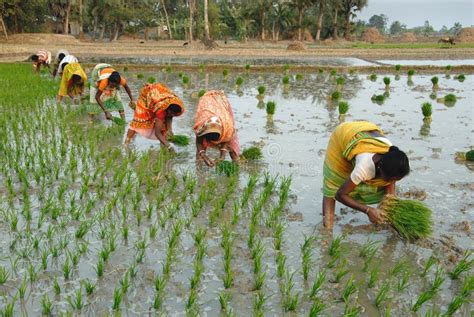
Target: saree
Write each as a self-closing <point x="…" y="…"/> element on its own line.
<point x="215" y="111"/>
<point x="110" y="96"/>
<point x="44" y="56"/>
<point x="69" y="71"/>
<point x="348" y="140"/>
<point x="152" y="103"/>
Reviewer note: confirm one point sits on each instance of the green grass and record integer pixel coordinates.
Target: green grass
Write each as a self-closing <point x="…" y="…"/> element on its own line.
<point x="239" y="81"/>
<point x="270" y="108"/>
<point x="336" y="95"/>
<point x="426" y="109"/>
<point x="261" y="89"/>
<point x="410" y="218"/>
<point x="252" y="153"/>
<point x="227" y="168"/>
<point x="286" y="80"/>
<point x="185" y="80"/>
<point x="179" y="140"/>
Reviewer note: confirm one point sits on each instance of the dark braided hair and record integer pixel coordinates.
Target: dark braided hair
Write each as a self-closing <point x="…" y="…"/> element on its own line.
<point x="394" y="164"/>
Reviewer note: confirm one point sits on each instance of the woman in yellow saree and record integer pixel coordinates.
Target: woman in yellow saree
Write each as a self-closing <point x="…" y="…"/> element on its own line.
<point x="360" y="167"/>
<point x="72" y="81"/>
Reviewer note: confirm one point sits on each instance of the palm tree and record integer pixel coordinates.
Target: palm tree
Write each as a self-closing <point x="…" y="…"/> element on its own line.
<point x="319" y="22"/>
<point x="206" y="20"/>
<point x="337" y="6"/>
<point x="191" y="4"/>
<point x="300" y="6"/>
<point x="167" y="19"/>
<point x="281" y="18"/>
<point x="348" y="6"/>
<point x="260" y="9"/>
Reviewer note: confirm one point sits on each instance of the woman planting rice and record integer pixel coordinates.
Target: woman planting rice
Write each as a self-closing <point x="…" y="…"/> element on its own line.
<point x="104" y="90"/>
<point x="360" y="167"/>
<point x="41" y="58"/>
<point x="68" y="59"/>
<point x="214" y="127"/>
<point x="72" y="81"/>
<point x="153" y="117"/>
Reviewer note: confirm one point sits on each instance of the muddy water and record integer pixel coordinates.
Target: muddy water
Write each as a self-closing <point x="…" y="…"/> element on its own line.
<point x="294" y="143"/>
<point x="452" y="62"/>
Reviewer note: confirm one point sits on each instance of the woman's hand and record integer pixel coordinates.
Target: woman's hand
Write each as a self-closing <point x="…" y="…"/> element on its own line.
<point x="132" y="104"/>
<point x="108" y="115"/>
<point x="375" y="215"/>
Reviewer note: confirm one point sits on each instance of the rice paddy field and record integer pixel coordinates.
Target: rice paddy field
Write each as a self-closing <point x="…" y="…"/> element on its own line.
<point x="90" y="227"/>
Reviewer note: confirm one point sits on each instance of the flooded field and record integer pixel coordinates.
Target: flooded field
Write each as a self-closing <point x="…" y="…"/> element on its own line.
<point x="91" y="228"/>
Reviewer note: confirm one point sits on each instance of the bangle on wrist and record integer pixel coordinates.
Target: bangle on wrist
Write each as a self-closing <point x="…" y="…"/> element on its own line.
<point x="367" y="210"/>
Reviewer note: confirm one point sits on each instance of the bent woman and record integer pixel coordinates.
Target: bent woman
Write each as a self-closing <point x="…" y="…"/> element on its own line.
<point x="68" y="59"/>
<point x="104" y="90"/>
<point x="72" y="81"/>
<point x="41" y="58"/>
<point x="360" y="167"/>
<point x="214" y="127"/>
<point x="156" y="107"/>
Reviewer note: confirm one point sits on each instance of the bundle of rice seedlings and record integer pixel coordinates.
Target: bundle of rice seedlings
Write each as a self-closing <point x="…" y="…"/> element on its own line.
<point x="140" y="76"/>
<point x="470" y="155"/>
<point x="411" y="72"/>
<point x="179" y="140"/>
<point x="460" y="77"/>
<point x="201" y="93"/>
<point x="373" y="77"/>
<point x="299" y="76"/>
<point x="225" y="72"/>
<point x="448" y="100"/>
<point x="286" y="80"/>
<point x="185" y="80"/>
<point x="270" y="108"/>
<point x="448" y="69"/>
<point x="343" y="107"/>
<point x="151" y="80"/>
<point x="247" y="67"/>
<point x="118" y="120"/>
<point x="434" y="81"/>
<point x="378" y="98"/>
<point x="261" y="90"/>
<point x="397" y="67"/>
<point x="336" y="95"/>
<point x="239" y="81"/>
<point x="411" y="218"/>
<point x="340" y="81"/>
<point x="252" y="153"/>
<point x="168" y="69"/>
<point x="386" y="81"/>
<point x="227" y="168"/>
<point x="465" y="156"/>
<point x="333" y="72"/>
<point x="426" y="109"/>
<point x="125" y="69"/>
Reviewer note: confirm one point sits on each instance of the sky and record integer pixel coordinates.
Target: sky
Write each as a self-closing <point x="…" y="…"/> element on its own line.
<point x="416" y="12"/>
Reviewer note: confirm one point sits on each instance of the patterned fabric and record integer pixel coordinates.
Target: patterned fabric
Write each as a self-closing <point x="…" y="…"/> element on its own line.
<point x="44" y="56"/>
<point x="110" y="96"/>
<point x="214" y="113"/>
<point x="69" y="71"/>
<point x="152" y="103"/>
<point x="348" y="140"/>
<point x="67" y="59"/>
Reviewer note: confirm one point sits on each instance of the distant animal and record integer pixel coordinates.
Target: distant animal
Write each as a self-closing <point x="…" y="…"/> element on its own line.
<point x="447" y="40"/>
<point x="185" y="43"/>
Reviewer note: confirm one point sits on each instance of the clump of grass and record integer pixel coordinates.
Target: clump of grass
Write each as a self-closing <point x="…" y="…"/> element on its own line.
<point x="317" y="308"/>
<point x="151" y="80"/>
<point x="411" y="218"/>
<point x="378" y="98"/>
<point x="201" y="93"/>
<point x="462" y="297"/>
<point x="382" y="294"/>
<point x="386" y="81"/>
<point x="373" y="77"/>
<point x="450" y="98"/>
<point x="464" y="265"/>
<point x="247" y="67"/>
<point x="252" y="153"/>
<point x="140" y="76"/>
<point x="286" y="80"/>
<point x="333" y="72"/>
<point x="398" y="67"/>
<point x="336" y="95"/>
<point x="225" y="72"/>
<point x="340" y="81"/>
<point x="168" y="69"/>
<point x="185" y="80"/>
<point x="179" y="139"/>
<point x="431" y="261"/>
<point x="299" y="77"/>
<point x="426" y="109"/>
<point x="270" y="108"/>
<point x="118" y="120"/>
<point x="343" y="107"/>
<point x="411" y="72"/>
<point x="434" y="81"/>
<point x="261" y="90"/>
<point x="239" y="81"/>
<point x="349" y="289"/>
<point x="460" y="77"/>
<point x="227" y="168"/>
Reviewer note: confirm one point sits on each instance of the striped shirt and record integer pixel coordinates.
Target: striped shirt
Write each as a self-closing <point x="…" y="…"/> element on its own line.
<point x="44" y="56"/>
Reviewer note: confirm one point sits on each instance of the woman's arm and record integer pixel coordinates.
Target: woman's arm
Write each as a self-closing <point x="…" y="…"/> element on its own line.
<point x="201" y="152"/>
<point x="129" y="93"/>
<point x="343" y="197"/>
<point x="101" y="104"/>
<point x="160" y="126"/>
<point x="169" y="126"/>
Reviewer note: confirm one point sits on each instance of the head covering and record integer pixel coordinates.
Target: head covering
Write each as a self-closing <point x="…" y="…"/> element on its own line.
<point x="158" y="97"/>
<point x="211" y="126"/>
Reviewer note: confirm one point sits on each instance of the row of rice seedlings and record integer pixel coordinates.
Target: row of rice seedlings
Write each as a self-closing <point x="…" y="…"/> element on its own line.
<point x="306" y="254"/>
<point x="201" y="249"/>
<point x="464" y="265"/>
<point x="432" y="291"/>
<point x="227" y="245"/>
<point x="462" y="297"/>
<point x="367" y="252"/>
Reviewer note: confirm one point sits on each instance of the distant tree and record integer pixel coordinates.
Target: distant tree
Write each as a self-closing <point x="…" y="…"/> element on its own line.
<point x="427" y="29"/>
<point x="300" y="6"/>
<point x="280" y="18"/>
<point x="349" y="7"/>
<point x="396" y="28"/>
<point x="379" y="22"/>
<point x="457" y="27"/>
<point x="444" y="30"/>
<point x="319" y="22"/>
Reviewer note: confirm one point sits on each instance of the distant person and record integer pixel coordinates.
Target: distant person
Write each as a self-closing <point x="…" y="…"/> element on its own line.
<point x="214" y="127"/>
<point x="72" y="82"/>
<point x="156" y="107"/>
<point x="59" y="57"/>
<point x="105" y="83"/>
<point x="361" y="166"/>
<point x="66" y="60"/>
<point x="41" y="58"/>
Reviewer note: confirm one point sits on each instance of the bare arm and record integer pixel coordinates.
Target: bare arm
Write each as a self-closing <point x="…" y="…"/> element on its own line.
<point x="160" y="126"/>
<point x="201" y="152"/>
<point x="101" y="104"/>
<point x="169" y="126"/>
<point x="129" y="92"/>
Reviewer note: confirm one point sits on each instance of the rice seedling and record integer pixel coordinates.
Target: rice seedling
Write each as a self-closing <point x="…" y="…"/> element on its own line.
<point x="192" y="300"/>
<point x="410" y="218"/>
<point x="465" y="156"/>
<point x="464" y="265"/>
<point x="227" y="168"/>
<point x="66" y="269"/>
<point x="285" y="80"/>
<point x="352" y="311"/>
<point x="9" y="308"/>
<point x="428" y="265"/>
<point x="349" y="289"/>
<point x="434" y="81"/>
<point x="179" y="140"/>
<point x="4" y="274"/>
<point x="46" y="305"/>
<point x="382" y="293"/>
<point x="261" y="90"/>
<point x="399" y="267"/>
<point x="460" y="77"/>
<point x="386" y="81"/>
<point x="151" y="80"/>
<point x="335" y="95"/>
<point x="225" y="73"/>
<point x="281" y="264"/>
<point x="403" y="281"/>
<point x="99" y="269"/>
<point x="318" y="283"/>
<point x="56" y="287"/>
<point x="343" y="108"/>
<point x="259" y="280"/>
<point x="317" y="308"/>
<point x="340" y="81"/>
<point x="185" y="80"/>
<point x="247" y="67"/>
<point x="306" y="254"/>
<point x="378" y="99"/>
<point x="224" y="299"/>
<point x="140" y="76"/>
<point x="438" y="280"/>
<point x="373" y="77"/>
<point x="374" y="276"/>
<point x="252" y="153"/>
<point x="239" y="81"/>
<point x="398" y="67"/>
<point x="270" y="108"/>
<point x="201" y="92"/>
<point x="341" y="271"/>
<point x="89" y="287"/>
<point x="290" y="300"/>
<point x="333" y="72"/>
<point x="335" y="246"/>
<point x="426" y="109"/>
<point x="299" y="77"/>
<point x="22" y="289"/>
<point x="422" y="298"/>
<point x="462" y="297"/>
<point x="118" y="295"/>
<point x="76" y="302"/>
<point x="125" y="283"/>
<point x="411" y="72"/>
<point x="259" y="303"/>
